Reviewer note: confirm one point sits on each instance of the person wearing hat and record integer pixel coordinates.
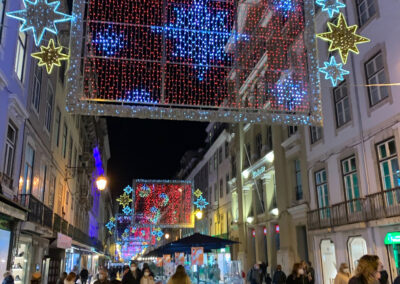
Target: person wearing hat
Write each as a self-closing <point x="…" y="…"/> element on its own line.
<point x="343" y="275"/>
<point x="36" y="278"/>
<point x="8" y="279"/>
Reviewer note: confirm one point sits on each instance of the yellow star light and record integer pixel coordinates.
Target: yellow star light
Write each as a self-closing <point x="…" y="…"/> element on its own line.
<point x="50" y="56"/>
<point x="124" y="200"/>
<point x="197" y="193"/>
<point x="343" y="38"/>
<point x="112" y="219"/>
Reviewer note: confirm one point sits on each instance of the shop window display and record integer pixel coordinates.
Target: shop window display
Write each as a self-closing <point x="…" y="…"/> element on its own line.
<point x="4" y="250"/>
<point x="328" y="258"/>
<point x="357" y="247"/>
<point x="20" y="266"/>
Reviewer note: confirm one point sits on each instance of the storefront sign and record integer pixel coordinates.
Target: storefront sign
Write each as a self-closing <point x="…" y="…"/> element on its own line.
<point x="166" y="258"/>
<point x="392" y="238"/>
<point x="197" y="256"/>
<point x="159" y="262"/>
<point x="63" y="241"/>
<point x="180" y="258"/>
<point x="258" y="172"/>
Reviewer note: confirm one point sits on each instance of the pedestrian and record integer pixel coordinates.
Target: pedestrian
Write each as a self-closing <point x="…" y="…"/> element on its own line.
<point x="71" y="278"/>
<point x="146" y="265"/>
<point x="113" y="277"/>
<point x="279" y="276"/>
<point x="147" y="278"/>
<point x="310" y="273"/>
<point x="84" y="275"/>
<point x="103" y="274"/>
<point x="36" y="278"/>
<point x="397" y="280"/>
<point x="8" y="279"/>
<point x="298" y="275"/>
<point x="254" y="274"/>
<point x="367" y="270"/>
<point x="263" y="268"/>
<point x="268" y="279"/>
<point x="62" y="278"/>
<point x="216" y="272"/>
<point x="132" y="274"/>
<point x="180" y="276"/>
<point x="343" y="275"/>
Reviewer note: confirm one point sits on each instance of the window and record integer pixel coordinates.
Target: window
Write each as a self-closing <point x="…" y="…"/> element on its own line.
<point x="64" y="141"/>
<point x="37" y="87"/>
<point x="258" y="145"/>
<point x="215" y="160"/>
<point x="342" y="105"/>
<point x="297" y="173"/>
<point x="375" y="73"/>
<point x="316" y="134"/>
<point x="2" y="15"/>
<point x="10" y="150"/>
<point x="215" y="192"/>
<point x="260" y="197"/>
<point x="388" y="165"/>
<point x="71" y="142"/>
<point x="292" y="130"/>
<point x="49" y="107"/>
<point x="28" y="170"/>
<point x="221" y="188"/>
<point x="227" y="184"/>
<point x="20" y="56"/>
<point x="226" y="150"/>
<point x="269" y="138"/>
<point x="365" y="9"/>
<point x="58" y="125"/>
<point x="233" y="165"/>
<point x="247" y="155"/>
<point x="322" y="193"/>
<point x="220" y="155"/>
<point x="43" y="180"/>
<point x="52" y="190"/>
<point x="74" y="158"/>
<point x="350" y="181"/>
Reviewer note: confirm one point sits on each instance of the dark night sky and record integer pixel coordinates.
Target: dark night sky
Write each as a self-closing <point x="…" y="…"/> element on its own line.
<point x="149" y="149"/>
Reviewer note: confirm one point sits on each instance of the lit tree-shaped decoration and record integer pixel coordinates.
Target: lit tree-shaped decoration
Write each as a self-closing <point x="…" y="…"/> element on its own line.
<point x="330" y="6"/>
<point x="333" y="71"/>
<point x="124" y="200"/>
<point x="40" y="16"/>
<point x="343" y="38"/>
<point x="50" y="56"/>
<point x="201" y="203"/>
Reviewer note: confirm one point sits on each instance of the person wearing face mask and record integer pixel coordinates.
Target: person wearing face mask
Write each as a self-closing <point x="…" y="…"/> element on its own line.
<point x="343" y="275"/>
<point x="367" y="271"/>
<point x="132" y="274"/>
<point x="147" y="278"/>
<point x="255" y="274"/>
<point x="103" y="274"/>
<point x="298" y="275"/>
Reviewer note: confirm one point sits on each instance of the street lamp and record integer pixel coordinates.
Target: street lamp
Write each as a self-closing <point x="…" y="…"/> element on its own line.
<point x="167" y="236"/>
<point x="101" y="183"/>
<point x="199" y="214"/>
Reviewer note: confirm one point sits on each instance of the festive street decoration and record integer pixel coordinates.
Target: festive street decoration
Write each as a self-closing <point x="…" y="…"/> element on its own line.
<point x="144" y="191"/>
<point x="198" y="193"/>
<point x="343" y="38"/>
<point x="109" y="42"/>
<point x="40" y="16"/>
<point x="112" y="219"/>
<point x="127" y="210"/>
<point x="201" y="203"/>
<point x="333" y="71"/>
<point x="164" y="199"/>
<point x="139" y="96"/>
<point x="158" y="233"/>
<point x="330" y="6"/>
<point x="124" y="200"/>
<point x="285" y="6"/>
<point x="50" y="56"/>
<point x="110" y="225"/>
<point x="128" y="189"/>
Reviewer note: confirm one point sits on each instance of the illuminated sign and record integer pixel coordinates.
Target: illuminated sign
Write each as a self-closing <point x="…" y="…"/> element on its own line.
<point x="392" y="238"/>
<point x="256" y="173"/>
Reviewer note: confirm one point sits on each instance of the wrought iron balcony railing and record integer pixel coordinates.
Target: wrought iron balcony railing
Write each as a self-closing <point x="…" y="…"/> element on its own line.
<point x="38" y="212"/>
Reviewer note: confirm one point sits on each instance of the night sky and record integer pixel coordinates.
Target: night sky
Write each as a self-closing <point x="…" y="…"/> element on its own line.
<point x="149" y="149"/>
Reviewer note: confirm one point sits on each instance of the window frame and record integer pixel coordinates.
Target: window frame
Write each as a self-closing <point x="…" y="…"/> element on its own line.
<point x="361" y="23"/>
<point x="57" y="121"/>
<point x="49" y="107"/>
<point x="346" y="118"/>
<point x="312" y="139"/>
<point x="386" y="159"/>
<point x="320" y="185"/>
<point x="3" y="4"/>
<point x="376" y="73"/>
<point x="9" y="161"/>
<point x="37" y="88"/>
<point x="259" y="145"/>
<point x="20" y="44"/>
<point x="28" y="170"/>
<point x="297" y="175"/>
<point x="65" y="140"/>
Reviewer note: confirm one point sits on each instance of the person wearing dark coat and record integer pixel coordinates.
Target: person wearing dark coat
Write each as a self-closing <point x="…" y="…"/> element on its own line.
<point x="84" y="275"/>
<point x="397" y="280"/>
<point x="298" y="275"/>
<point x="367" y="270"/>
<point x="384" y="277"/>
<point x="8" y="279"/>
<point x="132" y="274"/>
<point x="279" y="276"/>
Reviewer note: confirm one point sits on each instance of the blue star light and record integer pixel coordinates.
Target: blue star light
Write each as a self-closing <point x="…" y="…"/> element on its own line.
<point x="128" y="189"/>
<point x="200" y="34"/>
<point x="333" y="71"/>
<point x="127" y="210"/>
<point x="139" y="96"/>
<point x="201" y="203"/>
<point x="330" y="6"/>
<point x="110" y="225"/>
<point x="40" y="16"/>
<point x="109" y="43"/>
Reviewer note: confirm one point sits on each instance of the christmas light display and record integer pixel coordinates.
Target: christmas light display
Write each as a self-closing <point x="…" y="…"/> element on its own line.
<point x="330" y="6"/>
<point x="333" y="71"/>
<point x="128" y="189"/>
<point x="124" y="200"/>
<point x="50" y="56"/>
<point x="201" y="203"/>
<point x="198" y="193"/>
<point x="127" y="210"/>
<point x="164" y="199"/>
<point x="40" y="16"/>
<point x="144" y="191"/>
<point x="110" y="225"/>
<point x="189" y="60"/>
<point x="158" y="233"/>
<point x="343" y="38"/>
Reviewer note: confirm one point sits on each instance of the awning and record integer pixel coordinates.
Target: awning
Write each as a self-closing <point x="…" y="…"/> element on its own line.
<point x="12" y="209"/>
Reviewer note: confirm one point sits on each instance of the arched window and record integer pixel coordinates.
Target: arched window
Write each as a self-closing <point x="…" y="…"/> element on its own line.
<point x="328" y="260"/>
<point x="357" y="247"/>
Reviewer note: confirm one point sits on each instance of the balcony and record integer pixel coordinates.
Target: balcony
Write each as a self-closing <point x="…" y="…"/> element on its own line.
<point x="38" y="212"/>
<point x="380" y="205"/>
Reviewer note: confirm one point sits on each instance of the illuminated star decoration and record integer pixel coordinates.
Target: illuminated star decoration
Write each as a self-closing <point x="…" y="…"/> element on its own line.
<point x="343" y="38"/>
<point x="127" y="210"/>
<point x="144" y="191"/>
<point x="40" y="16"/>
<point x="200" y="22"/>
<point x="333" y="71"/>
<point x="330" y="6"/>
<point x="201" y="203"/>
<point x="138" y="96"/>
<point x="112" y="219"/>
<point x="124" y="200"/>
<point x="110" y="225"/>
<point x="198" y="193"/>
<point x="165" y="199"/>
<point x="128" y="190"/>
<point x="109" y="43"/>
<point x="50" y="56"/>
<point x="125" y="235"/>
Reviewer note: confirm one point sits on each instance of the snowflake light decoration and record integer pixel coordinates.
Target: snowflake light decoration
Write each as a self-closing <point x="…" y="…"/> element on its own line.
<point x="158" y="233"/>
<point x="198" y="193"/>
<point x="333" y="71"/>
<point x="125" y="235"/>
<point x="343" y="38"/>
<point x="40" y="16"/>
<point x="50" y="56"/>
<point x="330" y="6"/>
<point x="124" y="200"/>
<point x="110" y="225"/>
<point x="127" y="210"/>
<point x="164" y="199"/>
<point x="199" y="22"/>
<point x="109" y="42"/>
<point x="201" y="203"/>
<point x="144" y="191"/>
<point x="128" y="189"/>
<point x="155" y="215"/>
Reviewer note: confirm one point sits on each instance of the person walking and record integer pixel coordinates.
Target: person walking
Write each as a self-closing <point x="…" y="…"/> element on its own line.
<point x="180" y="276"/>
<point x="7" y="278"/>
<point x="367" y="270"/>
<point x="397" y="280"/>
<point x="147" y="278"/>
<point x="298" y="275"/>
<point x="343" y="275"/>
<point x="113" y="277"/>
<point x="70" y="279"/>
<point x="310" y="273"/>
<point x="279" y="276"/>
<point x="62" y="278"/>
<point x="268" y="279"/>
<point x="254" y="274"/>
<point x="103" y="274"/>
<point x="84" y="275"/>
<point x="132" y="274"/>
<point x="36" y="278"/>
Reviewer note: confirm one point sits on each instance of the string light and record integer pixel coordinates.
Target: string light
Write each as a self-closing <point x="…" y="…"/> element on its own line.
<point x="50" y="56"/>
<point x="108" y="42"/>
<point x="40" y="16"/>
<point x="128" y="189"/>
<point x="333" y="71"/>
<point x="127" y="210"/>
<point x="124" y="200"/>
<point x="330" y="6"/>
<point x="201" y="203"/>
<point x="343" y="38"/>
<point x="198" y="193"/>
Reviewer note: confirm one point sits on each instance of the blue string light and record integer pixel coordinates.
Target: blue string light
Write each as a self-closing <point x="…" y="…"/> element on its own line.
<point x="128" y="189"/>
<point x="290" y="93"/>
<point x="330" y="6"/>
<point x="285" y="6"/>
<point x="127" y="210"/>
<point x="333" y="71"/>
<point x="139" y="96"/>
<point x="40" y="16"/>
<point x="201" y="203"/>
<point x="109" y="43"/>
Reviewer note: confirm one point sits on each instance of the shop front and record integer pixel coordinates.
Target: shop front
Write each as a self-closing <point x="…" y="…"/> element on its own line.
<point x="392" y="243"/>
